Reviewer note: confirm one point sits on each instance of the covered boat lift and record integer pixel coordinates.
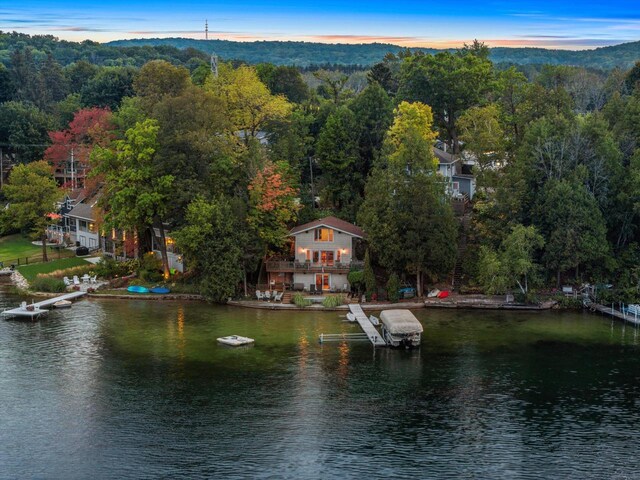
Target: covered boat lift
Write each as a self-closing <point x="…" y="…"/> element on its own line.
<point x="400" y="328"/>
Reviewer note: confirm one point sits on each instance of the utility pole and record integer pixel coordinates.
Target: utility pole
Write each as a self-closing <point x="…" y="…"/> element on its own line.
<point x="73" y="180"/>
<point x="206" y="29"/>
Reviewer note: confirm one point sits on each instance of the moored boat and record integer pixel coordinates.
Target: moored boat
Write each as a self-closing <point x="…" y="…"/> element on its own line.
<point x="235" y="340"/>
<point x="160" y="290"/>
<point x="400" y="328"/>
<point x="63" y="304"/>
<point x="137" y="289"/>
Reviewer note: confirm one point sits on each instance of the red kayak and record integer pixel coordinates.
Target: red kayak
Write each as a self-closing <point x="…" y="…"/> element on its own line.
<point x="443" y="294"/>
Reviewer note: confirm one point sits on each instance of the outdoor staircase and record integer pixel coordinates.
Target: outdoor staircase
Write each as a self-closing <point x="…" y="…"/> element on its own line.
<point x="456" y="276"/>
<point x="286" y="298"/>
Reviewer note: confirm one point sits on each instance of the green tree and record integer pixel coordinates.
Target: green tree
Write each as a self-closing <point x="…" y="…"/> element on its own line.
<point x="211" y="243"/>
<point x="135" y="197"/>
<point x="32" y="194"/>
<point x="158" y="79"/>
<point x="409" y="222"/>
<point x="24" y="127"/>
<point x="573" y="226"/>
<point x="250" y="104"/>
<point x="482" y="134"/>
<point x="108" y="87"/>
<point x="368" y="277"/>
<point x="449" y="82"/>
<point x="337" y="151"/>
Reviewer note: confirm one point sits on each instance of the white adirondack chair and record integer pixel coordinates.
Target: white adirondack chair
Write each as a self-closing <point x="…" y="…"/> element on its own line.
<point x="76" y="280"/>
<point x="66" y="281"/>
<point x="267" y="295"/>
<point x="259" y="295"/>
<point x="278" y="297"/>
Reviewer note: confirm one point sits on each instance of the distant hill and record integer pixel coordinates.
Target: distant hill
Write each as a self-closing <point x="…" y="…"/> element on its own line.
<point x="307" y="53"/>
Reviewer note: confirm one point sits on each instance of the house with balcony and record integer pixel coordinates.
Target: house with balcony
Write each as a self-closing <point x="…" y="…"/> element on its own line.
<point x="322" y="255"/>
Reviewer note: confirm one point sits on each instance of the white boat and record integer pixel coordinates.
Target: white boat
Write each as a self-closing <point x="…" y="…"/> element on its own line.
<point x="374" y="320"/>
<point x="236" y="340"/>
<point x="433" y="293"/>
<point x="351" y="317"/>
<point x="63" y="304"/>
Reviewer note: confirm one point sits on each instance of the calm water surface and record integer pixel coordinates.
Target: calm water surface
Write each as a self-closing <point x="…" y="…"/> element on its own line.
<point x="117" y="389"/>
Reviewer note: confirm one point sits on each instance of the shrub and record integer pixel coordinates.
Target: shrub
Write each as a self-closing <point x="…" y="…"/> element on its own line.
<point x="300" y="301"/>
<point x="393" y="288"/>
<point x="46" y="284"/>
<point x="150" y="269"/>
<point x="334" y="301"/>
<point x="108" y="267"/>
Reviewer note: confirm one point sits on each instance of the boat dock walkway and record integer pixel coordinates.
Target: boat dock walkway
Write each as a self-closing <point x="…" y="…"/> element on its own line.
<point x="367" y="327"/>
<point x="39" y="307"/>
<point x="622" y="315"/>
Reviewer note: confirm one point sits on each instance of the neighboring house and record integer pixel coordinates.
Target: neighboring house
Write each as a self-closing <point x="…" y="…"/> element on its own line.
<point x="323" y="256"/>
<point x="460" y="181"/>
<point x="82" y="223"/>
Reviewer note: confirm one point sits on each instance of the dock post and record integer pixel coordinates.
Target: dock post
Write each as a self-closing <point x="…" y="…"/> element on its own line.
<point x="321" y="335"/>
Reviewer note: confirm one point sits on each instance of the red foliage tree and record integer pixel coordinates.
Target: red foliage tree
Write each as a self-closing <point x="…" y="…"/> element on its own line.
<point x="90" y="127"/>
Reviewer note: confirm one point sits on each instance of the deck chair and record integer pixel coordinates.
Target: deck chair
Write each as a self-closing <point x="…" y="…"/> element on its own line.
<point x="259" y="295"/>
<point x="76" y="280"/>
<point x="312" y="289"/>
<point x="267" y="295"/>
<point x="93" y="279"/>
<point x="66" y="281"/>
<point x="278" y="297"/>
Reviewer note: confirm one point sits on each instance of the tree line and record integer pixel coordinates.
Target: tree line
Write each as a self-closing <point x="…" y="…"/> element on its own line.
<point x="229" y="163"/>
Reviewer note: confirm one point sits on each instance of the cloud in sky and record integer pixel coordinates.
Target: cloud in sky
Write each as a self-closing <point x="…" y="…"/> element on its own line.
<point x="542" y="23"/>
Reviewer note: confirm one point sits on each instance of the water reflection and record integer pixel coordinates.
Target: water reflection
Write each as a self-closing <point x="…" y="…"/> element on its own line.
<point x="125" y="390"/>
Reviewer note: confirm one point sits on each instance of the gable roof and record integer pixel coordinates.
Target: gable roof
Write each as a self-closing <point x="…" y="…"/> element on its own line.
<point x="444" y="157"/>
<point x="84" y="210"/>
<point x="331" y="222"/>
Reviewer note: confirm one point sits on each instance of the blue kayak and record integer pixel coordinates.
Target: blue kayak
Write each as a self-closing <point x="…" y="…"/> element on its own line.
<point x="160" y="290"/>
<point x="137" y="289"/>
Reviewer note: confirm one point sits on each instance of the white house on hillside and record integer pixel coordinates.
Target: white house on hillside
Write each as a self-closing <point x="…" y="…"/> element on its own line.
<point x="323" y="256"/>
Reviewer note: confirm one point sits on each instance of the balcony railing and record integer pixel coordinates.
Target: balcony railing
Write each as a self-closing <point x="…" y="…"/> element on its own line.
<point x="302" y="267"/>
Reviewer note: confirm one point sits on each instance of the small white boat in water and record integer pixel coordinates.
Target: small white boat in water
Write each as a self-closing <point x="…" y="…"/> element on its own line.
<point x="351" y="317"/>
<point x="374" y="320"/>
<point x="63" y="304"/>
<point x="236" y="340"/>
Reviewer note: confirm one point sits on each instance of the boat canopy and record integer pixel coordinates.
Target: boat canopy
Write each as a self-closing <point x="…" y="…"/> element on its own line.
<point x="400" y="322"/>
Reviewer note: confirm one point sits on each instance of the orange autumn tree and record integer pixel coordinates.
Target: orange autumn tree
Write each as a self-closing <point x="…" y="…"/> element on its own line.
<point x="273" y="203"/>
<point x="89" y="128"/>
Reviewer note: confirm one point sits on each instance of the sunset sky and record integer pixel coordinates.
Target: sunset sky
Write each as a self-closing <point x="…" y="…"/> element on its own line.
<point x="542" y="23"/>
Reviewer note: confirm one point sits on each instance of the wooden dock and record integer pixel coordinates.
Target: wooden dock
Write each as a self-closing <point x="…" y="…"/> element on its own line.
<point x="39" y="307"/>
<point x="367" y="327"/>
<point x="622" y="315"/>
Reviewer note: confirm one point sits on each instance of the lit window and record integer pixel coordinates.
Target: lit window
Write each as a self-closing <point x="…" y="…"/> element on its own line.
<point x="324" y="235"/>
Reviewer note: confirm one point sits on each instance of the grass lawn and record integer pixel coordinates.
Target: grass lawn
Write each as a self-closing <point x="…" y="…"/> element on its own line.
<point x="14" y="247"/>
<point x="31" y="271"/>
<point x="17" y="246"/>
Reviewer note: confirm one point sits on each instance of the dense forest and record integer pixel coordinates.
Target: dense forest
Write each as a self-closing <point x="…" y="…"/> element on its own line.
<point x="308" y="53"/>
<point x="170" y="144"/>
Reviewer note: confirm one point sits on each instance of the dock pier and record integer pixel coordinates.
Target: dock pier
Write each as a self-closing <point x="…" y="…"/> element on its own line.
<point x="611" y="311"/>
<point x="39" y="307"/>
<point x="369" y="330"/>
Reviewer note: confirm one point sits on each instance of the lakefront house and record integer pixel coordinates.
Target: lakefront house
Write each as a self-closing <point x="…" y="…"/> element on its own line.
<point x="322" y="255"/>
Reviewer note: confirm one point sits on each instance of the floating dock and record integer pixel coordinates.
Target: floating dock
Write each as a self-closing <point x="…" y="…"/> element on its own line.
<point x="39" y="307"/>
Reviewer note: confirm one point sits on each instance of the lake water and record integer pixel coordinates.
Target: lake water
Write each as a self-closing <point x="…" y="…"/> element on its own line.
<point x="134" y="389"/>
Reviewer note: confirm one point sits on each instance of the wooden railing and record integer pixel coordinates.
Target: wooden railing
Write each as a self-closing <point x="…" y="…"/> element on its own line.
<point x="293" y="266"/>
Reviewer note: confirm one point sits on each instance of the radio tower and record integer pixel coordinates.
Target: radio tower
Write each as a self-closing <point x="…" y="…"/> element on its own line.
<point x="206" y="29"/>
